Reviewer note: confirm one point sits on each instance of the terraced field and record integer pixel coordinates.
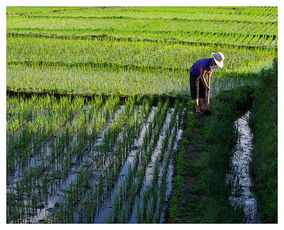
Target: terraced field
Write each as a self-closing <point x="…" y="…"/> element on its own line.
<point x="98" y="145"/>
<point x="75" y="162"/>
<point x="123" y="50"/>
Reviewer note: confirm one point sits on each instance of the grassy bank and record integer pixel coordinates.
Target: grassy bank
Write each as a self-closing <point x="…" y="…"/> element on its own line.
<point x="264" y="164"/>
<point x="200" y="191"/>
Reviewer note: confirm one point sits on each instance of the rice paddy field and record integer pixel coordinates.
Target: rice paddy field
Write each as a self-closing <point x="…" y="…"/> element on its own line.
<point x="96" y="98"/>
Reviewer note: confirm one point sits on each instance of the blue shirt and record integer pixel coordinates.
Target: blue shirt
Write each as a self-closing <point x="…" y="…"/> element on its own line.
<point x="204" y="63"/>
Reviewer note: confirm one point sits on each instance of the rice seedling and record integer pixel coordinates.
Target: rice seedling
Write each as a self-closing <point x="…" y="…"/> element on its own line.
<point x="98" y="145"/>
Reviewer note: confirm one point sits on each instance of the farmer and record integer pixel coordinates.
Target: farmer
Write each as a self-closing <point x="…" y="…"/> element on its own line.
<point x="199" y="87"/>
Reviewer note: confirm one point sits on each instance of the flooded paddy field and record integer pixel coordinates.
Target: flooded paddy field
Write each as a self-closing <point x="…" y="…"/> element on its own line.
<point x="97" y="100"/>
<point x="72" y="161"/>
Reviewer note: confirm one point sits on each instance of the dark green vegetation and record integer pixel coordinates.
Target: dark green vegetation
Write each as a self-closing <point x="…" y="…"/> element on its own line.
<point x="201" y="193"/>
<point x="108" y="157"/>
<point x="264" y="125"/>
<point x="68" y="160"/>
<point x="200" y="189"/>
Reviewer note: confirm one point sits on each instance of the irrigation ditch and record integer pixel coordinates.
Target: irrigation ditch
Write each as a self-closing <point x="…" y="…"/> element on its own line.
<point x="239" y="177"/>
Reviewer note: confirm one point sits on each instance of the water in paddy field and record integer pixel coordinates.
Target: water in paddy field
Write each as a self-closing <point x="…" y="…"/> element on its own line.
<point x="56" y="194"/>
<point x="106" y="207"/>
<point x="150" y="172"/>
<point x="239" y="178"/>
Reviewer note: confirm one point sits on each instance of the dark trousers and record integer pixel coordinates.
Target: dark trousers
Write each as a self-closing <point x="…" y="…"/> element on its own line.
<point x="197" y="89"/>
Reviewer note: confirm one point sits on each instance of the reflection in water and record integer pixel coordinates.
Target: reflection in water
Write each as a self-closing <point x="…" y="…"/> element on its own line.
<point x="239" y="177"/>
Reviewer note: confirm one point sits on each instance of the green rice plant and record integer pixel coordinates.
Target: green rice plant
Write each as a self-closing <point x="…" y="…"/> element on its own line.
<point x="62" y="45"/>
<point x="58" y="51"/>
<point x="130" y="187"/>
<point x="79" y="148"/>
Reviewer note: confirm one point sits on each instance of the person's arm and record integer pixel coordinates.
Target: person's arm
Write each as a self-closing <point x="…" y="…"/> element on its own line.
<point x="202" y="78"/>
<point x="210" y="72"/>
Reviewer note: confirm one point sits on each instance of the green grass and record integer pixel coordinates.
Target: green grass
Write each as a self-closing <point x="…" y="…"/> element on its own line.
<point x="200" y="191"/>
<point x="264" y="163"/>
<point x="213" y="140"/>
<point x="140" y="51"/>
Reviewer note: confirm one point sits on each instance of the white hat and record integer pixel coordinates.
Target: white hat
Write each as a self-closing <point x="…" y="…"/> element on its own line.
<point x="218" y="58"/>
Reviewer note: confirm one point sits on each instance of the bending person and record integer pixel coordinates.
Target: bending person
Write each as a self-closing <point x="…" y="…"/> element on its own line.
<point x="198" y="85"/>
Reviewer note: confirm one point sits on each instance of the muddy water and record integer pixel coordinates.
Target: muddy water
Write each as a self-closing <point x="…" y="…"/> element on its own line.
<point x="90" y="156"/>
<point x="106" y="206"/>
<point x="150" y="169"/>
<point x="239" y="178"/>
<point x="58" y="194"/>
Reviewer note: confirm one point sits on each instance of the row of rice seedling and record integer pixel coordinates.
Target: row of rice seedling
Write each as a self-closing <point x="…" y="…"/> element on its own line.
<point x="137" y="24"/>
<point x="118" y="82"/>
<point x="201" y="18"/>
<point x="127" y="210"/>
<point x="124" y="196"/>
<point x="39" y="147"/>
<point x="27" y="142"/>
<point x="201" y="38"/>
<point x="158" y="184"/>
<point x="80" y="169"/>
<point x="99" y="185"/>
<point x="35" y="51"/>
<point x="56" y="157"/>
<point x="200" y="15"/>
<point x="216" y="13"/>
<point x="19" y="10"/>
<point x="102" y="215"/>
<point x="20" y="112"/>
<point x="95" y="81"/>
<point x="237" y="10"/>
